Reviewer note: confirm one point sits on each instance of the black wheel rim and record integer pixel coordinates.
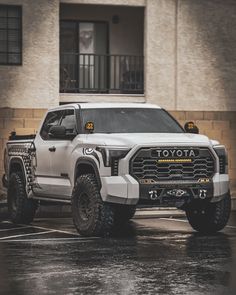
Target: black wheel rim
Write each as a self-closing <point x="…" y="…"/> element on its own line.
<point x="85" y="207"/>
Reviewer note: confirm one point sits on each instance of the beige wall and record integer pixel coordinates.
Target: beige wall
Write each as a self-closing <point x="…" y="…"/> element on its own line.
<point x="108" y="2"/>
<point x="206" y="55"/>
<point x="35" y="83"/>
<point x="190" y="54"/>
<point x="71" y="97"/>
<point x="159" y="52"/>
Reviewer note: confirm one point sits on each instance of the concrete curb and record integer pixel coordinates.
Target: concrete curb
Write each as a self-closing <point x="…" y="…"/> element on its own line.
<point x="233" y="200"/>
<point x="158" y="213"/>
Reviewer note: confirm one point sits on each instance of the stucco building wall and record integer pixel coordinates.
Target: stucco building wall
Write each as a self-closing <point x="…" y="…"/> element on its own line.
<point x="206" y="59"/>
<point x="35" y="82"/>
<point x="190" y="54"/>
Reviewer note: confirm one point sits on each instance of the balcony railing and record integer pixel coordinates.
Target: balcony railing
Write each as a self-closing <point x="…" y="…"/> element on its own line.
<point x="96" y="73"/>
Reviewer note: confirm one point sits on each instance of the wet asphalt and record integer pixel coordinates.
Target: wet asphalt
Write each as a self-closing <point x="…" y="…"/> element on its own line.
<point x="149" y="256"/>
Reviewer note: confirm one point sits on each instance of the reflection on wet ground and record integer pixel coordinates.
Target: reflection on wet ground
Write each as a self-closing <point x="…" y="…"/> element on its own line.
<point x="149" y="256"/>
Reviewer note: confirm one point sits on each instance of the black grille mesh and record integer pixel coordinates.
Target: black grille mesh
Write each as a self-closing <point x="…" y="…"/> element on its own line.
<point x="144" y="165"/>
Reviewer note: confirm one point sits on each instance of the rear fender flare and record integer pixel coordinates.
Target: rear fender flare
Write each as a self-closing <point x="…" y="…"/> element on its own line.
<point x="19" y="162"/>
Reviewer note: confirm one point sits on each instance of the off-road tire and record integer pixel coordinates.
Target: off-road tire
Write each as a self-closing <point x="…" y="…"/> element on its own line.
<point x="123" y="213"/>
<point x="20" y="208"/>
<point x="91" y="216"/>
<point x="211" y="218"/>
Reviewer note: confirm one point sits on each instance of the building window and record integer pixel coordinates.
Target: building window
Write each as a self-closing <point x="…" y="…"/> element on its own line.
<point x="10" y="35"/>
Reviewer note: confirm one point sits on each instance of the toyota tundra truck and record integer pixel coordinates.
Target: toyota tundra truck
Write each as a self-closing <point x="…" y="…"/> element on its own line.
<point x="106" y="159"/>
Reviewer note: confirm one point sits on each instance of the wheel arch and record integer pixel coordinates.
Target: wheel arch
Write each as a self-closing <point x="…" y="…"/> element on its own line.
<point x="16" y="165"/>
<point x="86" y="165"/>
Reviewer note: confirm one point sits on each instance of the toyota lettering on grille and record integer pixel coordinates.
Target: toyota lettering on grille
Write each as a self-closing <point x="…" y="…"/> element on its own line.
<point x="176" y="153"/>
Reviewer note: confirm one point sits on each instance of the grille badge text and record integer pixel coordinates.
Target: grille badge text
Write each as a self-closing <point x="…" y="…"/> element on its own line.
<point x="176" y="153"/>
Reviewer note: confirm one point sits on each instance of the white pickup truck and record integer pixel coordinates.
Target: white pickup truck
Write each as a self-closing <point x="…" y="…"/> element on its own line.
<point x="106" y="159"/>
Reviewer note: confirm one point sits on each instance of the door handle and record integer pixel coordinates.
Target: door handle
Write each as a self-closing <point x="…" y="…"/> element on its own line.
<point x="52" y="149"/>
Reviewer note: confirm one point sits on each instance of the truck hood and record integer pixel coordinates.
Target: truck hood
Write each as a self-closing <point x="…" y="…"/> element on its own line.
<point x="132" y="139"/>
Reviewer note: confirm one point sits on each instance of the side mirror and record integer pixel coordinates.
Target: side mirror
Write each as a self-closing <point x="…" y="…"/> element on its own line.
<point x="57" y="132"/>
<point x="190" y="127"/>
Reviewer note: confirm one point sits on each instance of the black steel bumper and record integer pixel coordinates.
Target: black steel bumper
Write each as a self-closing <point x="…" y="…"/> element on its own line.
<point x="174" y="194"/>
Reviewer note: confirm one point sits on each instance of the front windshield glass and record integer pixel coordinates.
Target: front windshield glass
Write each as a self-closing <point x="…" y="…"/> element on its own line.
<point x="130" y="120"/>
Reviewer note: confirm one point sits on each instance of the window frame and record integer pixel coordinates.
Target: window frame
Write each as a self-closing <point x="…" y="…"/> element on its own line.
<point x="60" y="120"/>
<point x="64" y="115"/>
<point x="20" y="30"/>
<point x="60" y="117"/>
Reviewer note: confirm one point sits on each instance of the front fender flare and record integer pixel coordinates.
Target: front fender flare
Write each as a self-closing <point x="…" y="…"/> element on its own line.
<point x="89" y="162"/>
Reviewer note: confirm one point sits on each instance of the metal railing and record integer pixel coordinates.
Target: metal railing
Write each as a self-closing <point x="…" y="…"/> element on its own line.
<point x="96" y="73"/>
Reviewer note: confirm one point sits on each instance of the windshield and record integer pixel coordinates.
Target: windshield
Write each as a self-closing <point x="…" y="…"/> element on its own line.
<point x="130" y="120"/>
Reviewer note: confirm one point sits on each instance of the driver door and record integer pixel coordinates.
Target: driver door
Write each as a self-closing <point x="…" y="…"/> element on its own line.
<point x="44" y="143"/>
<point x="61" y="157"/>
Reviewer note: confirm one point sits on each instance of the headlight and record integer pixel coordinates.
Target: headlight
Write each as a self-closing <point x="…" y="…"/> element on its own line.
<point x="223" y="158"/>
<point x="110" y="154"/>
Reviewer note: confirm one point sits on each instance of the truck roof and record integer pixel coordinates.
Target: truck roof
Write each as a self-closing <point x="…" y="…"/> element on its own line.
<point x="90" y="105"/>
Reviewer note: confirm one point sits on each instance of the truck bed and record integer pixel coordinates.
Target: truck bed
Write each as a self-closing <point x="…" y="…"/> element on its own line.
<point x="15" y="136"/>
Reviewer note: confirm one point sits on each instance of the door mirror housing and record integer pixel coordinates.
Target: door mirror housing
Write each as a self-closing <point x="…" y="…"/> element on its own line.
<point x="57" y="132"/>
<point x="190" y="127"/>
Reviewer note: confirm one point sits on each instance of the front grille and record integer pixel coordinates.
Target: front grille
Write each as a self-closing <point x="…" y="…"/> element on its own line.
<point x="144" y="165"/>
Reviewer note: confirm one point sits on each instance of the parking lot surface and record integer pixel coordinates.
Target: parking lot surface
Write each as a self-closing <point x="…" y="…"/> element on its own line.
<point x="149" y="256"/>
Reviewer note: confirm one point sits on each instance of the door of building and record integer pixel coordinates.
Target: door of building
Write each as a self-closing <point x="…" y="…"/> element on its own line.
<point x="84" y="56"/>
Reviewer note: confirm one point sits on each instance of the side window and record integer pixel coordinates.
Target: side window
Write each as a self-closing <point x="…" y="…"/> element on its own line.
<point x="68" y="120"/>
<point x="52" y="119"/>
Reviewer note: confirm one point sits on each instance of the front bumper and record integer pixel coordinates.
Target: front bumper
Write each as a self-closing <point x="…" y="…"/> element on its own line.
<point x="120" y="189"/>
<point x="126" y="190"/>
